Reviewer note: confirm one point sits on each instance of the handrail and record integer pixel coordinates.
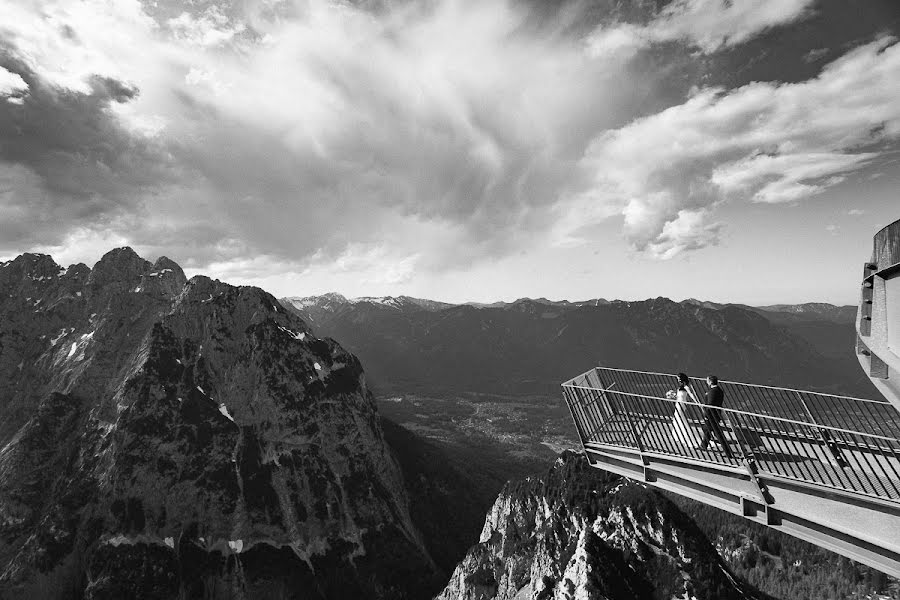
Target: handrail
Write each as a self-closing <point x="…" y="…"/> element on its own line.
<point x="755" y="385"/>
<point x="734" y="410"/>
<point x="823" y="410"/>
<point x="886" y="246"/>
<point x="824" y="441"/>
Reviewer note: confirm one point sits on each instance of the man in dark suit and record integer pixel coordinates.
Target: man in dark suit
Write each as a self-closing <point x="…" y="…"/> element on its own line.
<point x="714" y="398"/>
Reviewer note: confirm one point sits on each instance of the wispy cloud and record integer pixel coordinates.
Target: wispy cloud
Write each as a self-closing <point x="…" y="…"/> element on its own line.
<point x="712" y="24"/>
<point x="764" y="142"/>
<point x="211" y="28"/>
<point x="815" y="55"/>
<point x="707" y="25"/>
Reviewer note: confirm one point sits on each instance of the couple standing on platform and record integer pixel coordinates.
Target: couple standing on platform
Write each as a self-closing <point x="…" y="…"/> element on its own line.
<point x="683" y="431"/>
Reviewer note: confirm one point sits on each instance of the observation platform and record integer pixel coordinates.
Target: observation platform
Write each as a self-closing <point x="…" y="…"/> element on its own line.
<point x="878" y="316"/>
<point x="821" y="467"/>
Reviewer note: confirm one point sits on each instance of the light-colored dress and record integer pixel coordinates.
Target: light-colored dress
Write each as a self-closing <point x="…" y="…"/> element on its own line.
<point x="681" y="429"/>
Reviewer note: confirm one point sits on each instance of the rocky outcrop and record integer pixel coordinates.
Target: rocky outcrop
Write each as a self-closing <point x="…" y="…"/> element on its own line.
<point x="165" y="438"/>
<point x="580" y="533"/>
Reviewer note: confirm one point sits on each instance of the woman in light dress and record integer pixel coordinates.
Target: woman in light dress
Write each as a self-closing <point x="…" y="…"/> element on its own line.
<point x="681" y="428"/>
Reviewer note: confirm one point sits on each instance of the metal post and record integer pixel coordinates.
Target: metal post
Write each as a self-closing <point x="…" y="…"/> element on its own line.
<point x="609" y="405"/>
<point x="823" y="436"/>
<point x="637" y="439"/>
<point x="749" y="460"/>
<point x="569" y="404"/>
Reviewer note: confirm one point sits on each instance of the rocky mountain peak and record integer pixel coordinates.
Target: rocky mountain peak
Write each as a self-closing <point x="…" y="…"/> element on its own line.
<point x="165" y="438"/>
<point x="170" y="273"/>
<point x="28" y="269"/>
<point x="164" y="262"/>
<point x="578" y="532"/>
<point x="36" y="264"/>
<point x="120" y="265"/>
<point x="334" y="297"/>
<point x="78" y="271"/>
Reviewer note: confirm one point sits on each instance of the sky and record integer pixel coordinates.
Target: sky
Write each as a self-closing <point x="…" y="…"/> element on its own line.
<point x="461" y="150"/>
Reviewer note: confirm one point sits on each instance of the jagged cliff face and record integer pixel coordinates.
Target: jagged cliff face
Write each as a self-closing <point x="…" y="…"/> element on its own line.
<point x="579" y="533"/>
<point x="167" y="438"/>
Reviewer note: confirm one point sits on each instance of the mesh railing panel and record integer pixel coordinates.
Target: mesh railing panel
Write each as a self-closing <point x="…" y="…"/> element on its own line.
<point x="846" y="443"/>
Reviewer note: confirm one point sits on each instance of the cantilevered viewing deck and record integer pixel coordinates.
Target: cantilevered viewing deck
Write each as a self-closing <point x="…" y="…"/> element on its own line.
<point x="821" y="467"/>
<point x="824" y="468"/>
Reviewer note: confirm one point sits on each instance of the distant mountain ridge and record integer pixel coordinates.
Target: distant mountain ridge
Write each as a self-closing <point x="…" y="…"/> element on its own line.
<point x="532" y="345"/>
<point x="332" y="300"/>
<point x="317" y="308"/>
<point x="816" y="310"/>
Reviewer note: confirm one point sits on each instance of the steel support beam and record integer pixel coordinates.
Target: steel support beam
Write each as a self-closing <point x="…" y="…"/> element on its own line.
<point x="861" y="528"/>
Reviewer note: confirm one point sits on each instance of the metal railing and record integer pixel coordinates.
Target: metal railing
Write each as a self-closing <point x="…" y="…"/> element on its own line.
<point x="886" y="250"/>
<point x="850" y="444"/>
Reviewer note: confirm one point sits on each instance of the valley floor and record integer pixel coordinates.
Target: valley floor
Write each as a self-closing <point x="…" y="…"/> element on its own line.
<point x="530" y="429"/>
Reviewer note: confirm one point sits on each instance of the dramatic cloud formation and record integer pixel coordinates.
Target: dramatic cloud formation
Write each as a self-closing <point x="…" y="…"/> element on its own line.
<point x="284" y="136"/>
<point x="65" y="163"/>
<point x="767" y="142"/>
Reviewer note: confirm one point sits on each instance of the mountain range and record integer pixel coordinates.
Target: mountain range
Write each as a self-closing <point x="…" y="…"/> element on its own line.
<point x="169" y="438"/>
<point x="530" y="346"/>
<point x="172" y="438"/>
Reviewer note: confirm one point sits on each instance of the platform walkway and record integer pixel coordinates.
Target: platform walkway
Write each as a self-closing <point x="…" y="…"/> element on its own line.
<point x="825" y="468"/>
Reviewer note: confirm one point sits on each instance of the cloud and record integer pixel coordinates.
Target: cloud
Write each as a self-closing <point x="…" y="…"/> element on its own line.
<point x="764" y="142"/>
<point x="75" y="246"/>
<point x="316" y="129"/>
<point x="375" y="265"/>
<point x="383" y="140"/>
<point x="784" y="177"/>
<point x="66" y="163"/>
<point x="815" y="55"/>
<point x="11" y="84"/>
<point x="713" y="24"/>
<point x="68" y="44"/>
<point x="707" y="25"/>
<point x="687" y="231"/>
<point x="211" y="28"/>
<point x="856" y="212"/>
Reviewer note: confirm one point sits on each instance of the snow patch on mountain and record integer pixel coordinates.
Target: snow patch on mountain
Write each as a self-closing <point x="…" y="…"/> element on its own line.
<point x="224" y="410"/>
<point x="297" y="335"/>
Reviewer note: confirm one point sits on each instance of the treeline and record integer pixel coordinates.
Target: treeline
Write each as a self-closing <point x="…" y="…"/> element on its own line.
<point x="784" y="566"/>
